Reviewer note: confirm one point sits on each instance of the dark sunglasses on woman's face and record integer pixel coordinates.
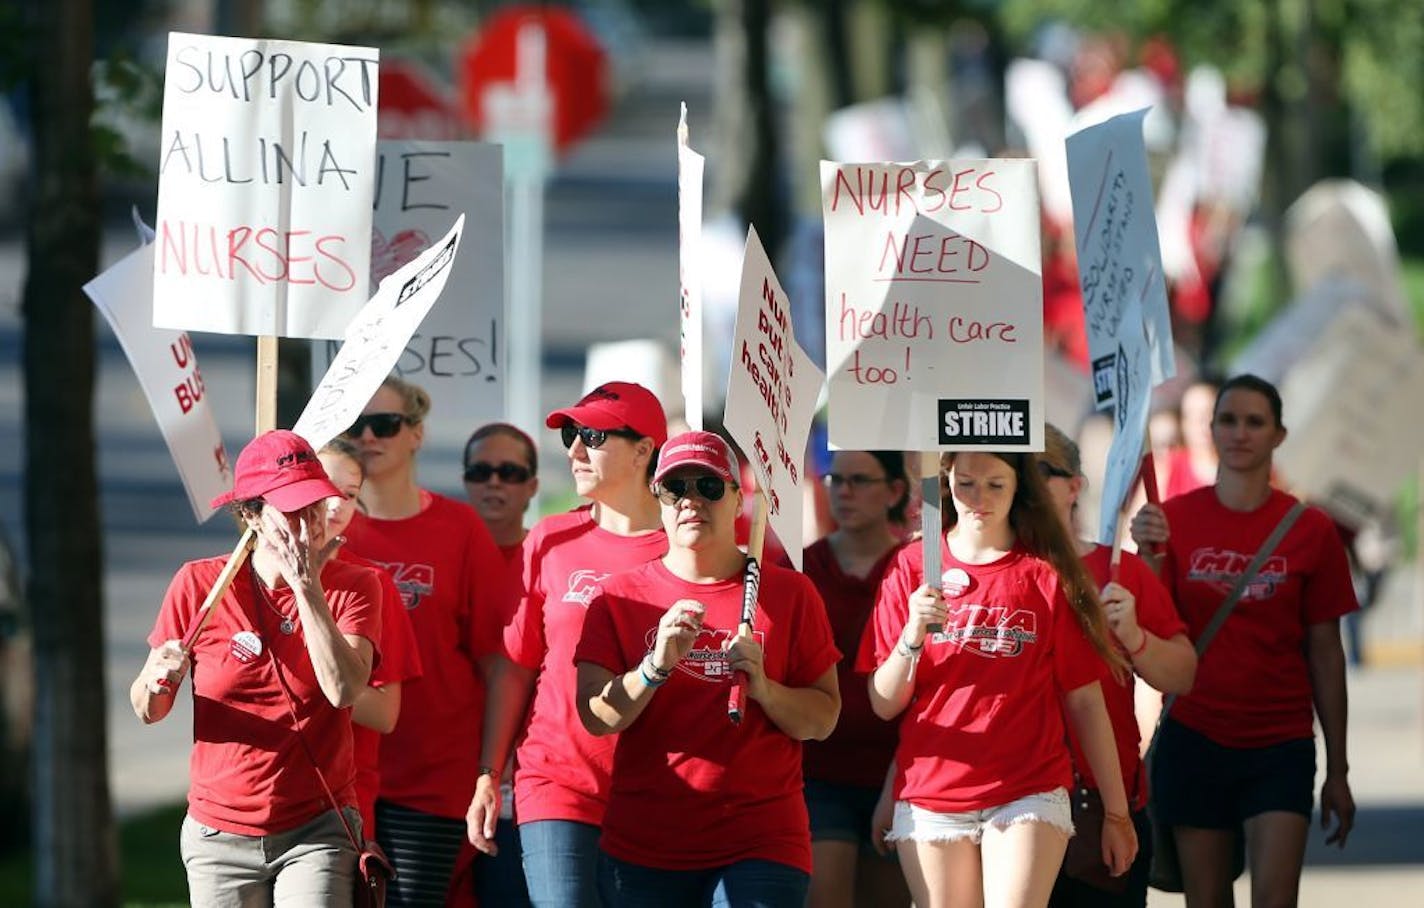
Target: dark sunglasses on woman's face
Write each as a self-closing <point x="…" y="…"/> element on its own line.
<point x="481" y="471"/>
<point x="383" y="425"/>
<point x="671" y="491"/>
<point x="1049" y="471"/>
<point x="592" y="438"/>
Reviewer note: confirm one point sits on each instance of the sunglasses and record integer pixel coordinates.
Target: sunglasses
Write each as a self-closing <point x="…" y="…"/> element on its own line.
<point x="383" y="425"/>
<point x="1049" y="471"/>
<point x="856" y="481"/>
<point x="592" y="438"/>
<point x="671" y="491"/>
<point x="480" y="471"/>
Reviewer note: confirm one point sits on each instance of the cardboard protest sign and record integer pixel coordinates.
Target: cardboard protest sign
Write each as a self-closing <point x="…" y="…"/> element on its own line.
<point x="264" y="189"/>
<point x="1352" y="408"/>
<point x="771" y="394"/>
<point x="1340" y="228"/>
<point x="458" y="352"/>
<point x="934" y="305"/>
<point x="1132" y="397"/>
<point x="1119" y="261"/>
<point x="690" y="165"/>
<point x="167" y="370"/>
<point x="376" y="339"/>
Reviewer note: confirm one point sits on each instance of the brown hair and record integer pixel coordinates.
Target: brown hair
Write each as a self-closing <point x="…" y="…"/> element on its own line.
<point x="344" y="448"/>
<point x="415" y="400"/>
<point x="508" y="431"/>
<point x="1035" y="524"/>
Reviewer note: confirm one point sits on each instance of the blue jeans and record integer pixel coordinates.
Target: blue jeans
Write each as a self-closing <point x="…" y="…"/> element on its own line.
<point x="561" y="863"/>
<point x="499" y="880"/>
<point x="744" y="884"/>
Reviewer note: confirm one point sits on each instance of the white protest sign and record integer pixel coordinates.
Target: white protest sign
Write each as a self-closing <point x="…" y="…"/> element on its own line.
<point x="771" y="394"/>
<point x="690" y="165"/>
<point x="1119" y="261"/>
<point x="1132" y="397"/>
<point x="457" y="355"/>
<point x="167" y="370"/>
<point x="934" y="305"/>
<point x="264" y="188"/>
<point x="376" y="339"/>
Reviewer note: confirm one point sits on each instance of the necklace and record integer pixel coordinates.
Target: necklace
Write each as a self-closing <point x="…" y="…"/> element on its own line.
<point x="287" y="625"/>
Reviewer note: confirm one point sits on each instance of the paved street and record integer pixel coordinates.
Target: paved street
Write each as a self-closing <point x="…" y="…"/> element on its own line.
<point x="610" y="274"/>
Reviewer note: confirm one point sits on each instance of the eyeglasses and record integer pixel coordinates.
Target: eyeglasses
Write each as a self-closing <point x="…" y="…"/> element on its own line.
<point x="480" y="471"/>
<point x="592" y="438"/>
<point x="383" y="425"/>
<point x="671" y="491"/>
<point x="1049" y="471"/>
<point x="856" y="481"/>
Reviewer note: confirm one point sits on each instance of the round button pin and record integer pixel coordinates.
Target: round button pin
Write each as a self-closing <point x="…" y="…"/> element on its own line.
<point x="956" y="582"/>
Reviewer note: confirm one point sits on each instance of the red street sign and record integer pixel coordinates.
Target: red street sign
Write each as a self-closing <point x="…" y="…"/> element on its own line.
<point x="576" y="69"/>
<point x="414" y="105"/>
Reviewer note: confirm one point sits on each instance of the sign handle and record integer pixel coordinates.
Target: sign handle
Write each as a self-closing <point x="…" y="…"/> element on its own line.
<point x="931" y="524"/>
<point x="266" y="383"/>
<point x="234" y="564"/>
<point x="751" y="586"/>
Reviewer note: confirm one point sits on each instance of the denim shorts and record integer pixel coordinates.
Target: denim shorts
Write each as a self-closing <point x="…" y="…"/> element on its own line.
<point x="916" y="824"/>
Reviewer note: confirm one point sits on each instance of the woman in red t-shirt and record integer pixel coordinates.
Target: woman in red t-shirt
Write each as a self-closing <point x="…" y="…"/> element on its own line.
<point x="456" y="590"/>
<point x="282" y="657"/>
<point x="702" y="811"/>
<point x="982" y="674"/>
<point x="1148" y="633"/>
<point x="868" y="491"/>
<point x="378" y="707"/>
<point x="612" y="436"/>
<point x="1240" y="748"/>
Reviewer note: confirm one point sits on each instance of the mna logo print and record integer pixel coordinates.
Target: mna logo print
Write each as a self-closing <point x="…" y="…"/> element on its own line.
<point x="583" y="586"/>
<point x="990" y="630"/>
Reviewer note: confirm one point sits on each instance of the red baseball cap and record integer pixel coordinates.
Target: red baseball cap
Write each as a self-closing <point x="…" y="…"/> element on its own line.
<point x="616" y="405"/>
<point x="698" y="449"/>
<point x="280" y="467"/>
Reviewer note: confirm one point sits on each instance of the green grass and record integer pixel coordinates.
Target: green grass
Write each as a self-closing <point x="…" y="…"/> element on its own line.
<point x="151" y="869"/>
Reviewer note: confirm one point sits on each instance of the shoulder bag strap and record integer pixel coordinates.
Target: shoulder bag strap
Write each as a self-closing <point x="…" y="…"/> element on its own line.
<point x="1223" y="611"/>
<point x="301" y="738"/>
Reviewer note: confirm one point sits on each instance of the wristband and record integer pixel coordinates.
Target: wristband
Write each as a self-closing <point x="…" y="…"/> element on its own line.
<point x="647" y="680"/>
<point x="489" y="771"/>
<point x="1119" y="818"/>
<point x="906" y="650"/>
<point x="1141" y="647"/>
<point x="650" y="667"/>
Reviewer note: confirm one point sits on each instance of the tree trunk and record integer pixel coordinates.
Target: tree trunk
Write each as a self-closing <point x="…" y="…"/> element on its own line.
<point x="73" y="833"/>
<point x="761" y="201"/>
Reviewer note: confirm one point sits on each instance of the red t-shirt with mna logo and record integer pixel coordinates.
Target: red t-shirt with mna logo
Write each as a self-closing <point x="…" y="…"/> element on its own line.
<point x="985" y="726"/>
<point x="563" y="770"/>
<point x="690" y="789"/>
<point x="1252" y="685"/>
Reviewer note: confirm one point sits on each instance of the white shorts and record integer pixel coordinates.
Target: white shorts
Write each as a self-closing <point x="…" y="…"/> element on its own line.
<point x="916" y="824"/>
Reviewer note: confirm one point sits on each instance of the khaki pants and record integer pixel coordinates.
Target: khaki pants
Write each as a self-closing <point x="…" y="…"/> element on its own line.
<point x="312" y="865"/>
